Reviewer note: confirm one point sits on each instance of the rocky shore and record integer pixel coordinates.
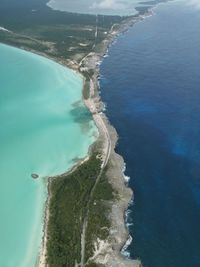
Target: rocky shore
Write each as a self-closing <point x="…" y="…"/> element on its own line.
<point x="108" y="252"/>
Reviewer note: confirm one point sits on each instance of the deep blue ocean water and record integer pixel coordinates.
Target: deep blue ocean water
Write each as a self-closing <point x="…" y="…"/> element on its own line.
<point x="151" y="85"/>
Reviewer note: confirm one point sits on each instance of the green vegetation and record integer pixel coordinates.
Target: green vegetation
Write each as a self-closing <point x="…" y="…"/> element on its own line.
<point x="66" y="36"/>
<point x="93" y="264"/>
<point x="86" y="88"/>
<point x="69" y="198"/>
<point x="98" y="219"/>
<point x="35" y="26"/>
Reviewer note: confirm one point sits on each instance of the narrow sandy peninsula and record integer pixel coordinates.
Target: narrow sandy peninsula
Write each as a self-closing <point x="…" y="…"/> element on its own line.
<point x="85" y="210"/>
<point x="107" y="252"/>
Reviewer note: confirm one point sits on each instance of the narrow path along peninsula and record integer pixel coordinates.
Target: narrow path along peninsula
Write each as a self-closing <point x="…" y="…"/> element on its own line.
<point x="67" y="171"/>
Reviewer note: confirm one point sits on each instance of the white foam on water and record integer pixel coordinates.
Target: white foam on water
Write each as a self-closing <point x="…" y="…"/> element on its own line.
<point x="4" y="29"/>
<point x="126" y="178"/>
<point x="127" y="244"/>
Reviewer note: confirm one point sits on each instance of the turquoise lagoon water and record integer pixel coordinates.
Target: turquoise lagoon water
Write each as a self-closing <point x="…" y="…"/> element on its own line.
<point x="44" y="127"/>
<point x="103" y="7"/>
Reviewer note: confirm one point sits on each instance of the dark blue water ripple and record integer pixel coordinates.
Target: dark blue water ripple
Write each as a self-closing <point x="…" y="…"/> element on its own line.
<point x="151" y="84"/>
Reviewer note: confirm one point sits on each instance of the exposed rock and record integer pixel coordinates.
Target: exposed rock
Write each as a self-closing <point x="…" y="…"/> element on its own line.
<point x="34" y="176"/>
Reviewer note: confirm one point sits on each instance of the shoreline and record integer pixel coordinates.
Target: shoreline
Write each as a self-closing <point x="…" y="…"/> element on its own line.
<point x="111" y="252"/>
<point x="119" y="231"/>
<point x="95" y="101"/>
<point x="95" y="106"/>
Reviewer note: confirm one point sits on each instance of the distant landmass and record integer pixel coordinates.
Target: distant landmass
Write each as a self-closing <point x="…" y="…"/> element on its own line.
<point x="70" y="72"/>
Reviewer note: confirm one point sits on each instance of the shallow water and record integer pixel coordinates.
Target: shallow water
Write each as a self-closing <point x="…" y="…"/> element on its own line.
<point x="150" y="82"/>
<point x="103" y="7"/>
<point x="44" y="128"/>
